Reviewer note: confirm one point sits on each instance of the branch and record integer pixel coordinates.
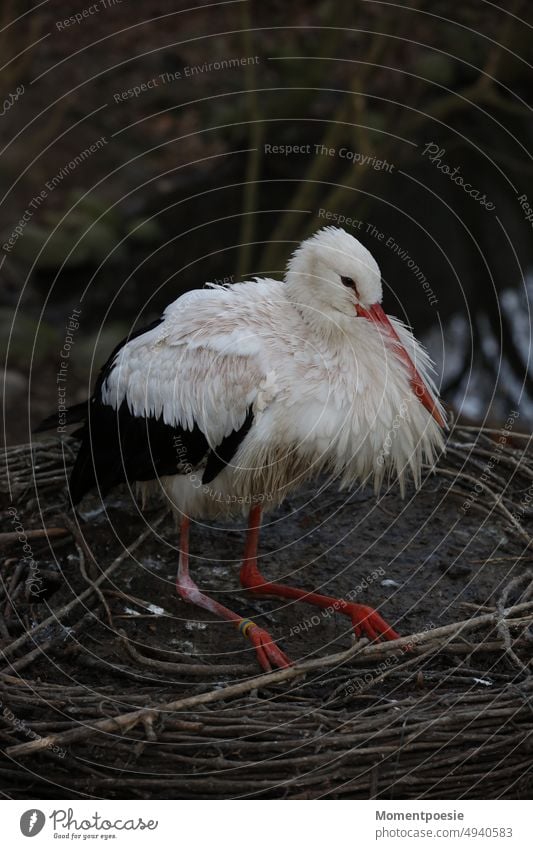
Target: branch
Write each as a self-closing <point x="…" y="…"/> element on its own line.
<point x="56" y="616"/>
<point x="38" y="533"/>
<point x="128" y="720"/>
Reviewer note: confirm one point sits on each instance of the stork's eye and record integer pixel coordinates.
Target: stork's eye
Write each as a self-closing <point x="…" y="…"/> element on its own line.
<point x="350" y="283"/>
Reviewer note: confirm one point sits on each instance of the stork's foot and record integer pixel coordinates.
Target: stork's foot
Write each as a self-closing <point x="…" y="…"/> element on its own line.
<point x="268" y="654"/>
<point x="367" y="622"/>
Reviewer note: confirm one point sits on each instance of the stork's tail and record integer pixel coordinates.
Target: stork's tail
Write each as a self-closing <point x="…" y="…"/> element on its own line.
<point x="73" y="415"/>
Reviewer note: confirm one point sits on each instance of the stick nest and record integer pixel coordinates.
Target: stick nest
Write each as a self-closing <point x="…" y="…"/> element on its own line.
<point x="95" y="704"/>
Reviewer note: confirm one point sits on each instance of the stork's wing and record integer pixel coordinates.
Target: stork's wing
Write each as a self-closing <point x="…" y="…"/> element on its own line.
<point x="187" y="378"/>
<point x="169" y="400"/>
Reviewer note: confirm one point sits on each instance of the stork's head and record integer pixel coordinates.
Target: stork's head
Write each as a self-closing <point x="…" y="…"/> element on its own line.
<point x="333" y="273"/>
<point x="335" y="281"/>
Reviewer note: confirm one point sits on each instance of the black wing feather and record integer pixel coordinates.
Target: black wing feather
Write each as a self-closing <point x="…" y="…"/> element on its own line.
<point x="117" y="446"/>
<point x="218" y="458"/>
<point x="73" y="415"/>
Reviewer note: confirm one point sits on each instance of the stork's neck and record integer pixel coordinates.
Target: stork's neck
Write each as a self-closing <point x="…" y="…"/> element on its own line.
<point x="306" y="290"/>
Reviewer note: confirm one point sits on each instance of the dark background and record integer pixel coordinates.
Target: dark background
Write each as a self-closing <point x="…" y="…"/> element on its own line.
<point x="181" y="190"/>
<point x="156" y="193"/>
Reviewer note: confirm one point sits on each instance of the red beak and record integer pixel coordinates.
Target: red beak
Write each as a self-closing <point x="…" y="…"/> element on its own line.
<point x="376" y="314"/>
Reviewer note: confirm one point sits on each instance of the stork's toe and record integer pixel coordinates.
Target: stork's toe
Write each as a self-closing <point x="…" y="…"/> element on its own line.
<point x="369" y="623"/>
<point x="268" y="653"/>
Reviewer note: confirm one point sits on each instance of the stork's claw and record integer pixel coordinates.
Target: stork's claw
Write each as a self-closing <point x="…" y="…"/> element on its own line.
<point x="367" y="622"/>
<point x="268" y="654"/>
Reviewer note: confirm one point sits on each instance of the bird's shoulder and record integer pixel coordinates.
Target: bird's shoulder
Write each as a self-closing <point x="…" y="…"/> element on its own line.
<point x="233" y="319"/>
<point x="204" y="364"/>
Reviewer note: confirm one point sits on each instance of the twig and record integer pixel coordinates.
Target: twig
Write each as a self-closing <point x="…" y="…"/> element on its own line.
<point x="41" y="650"/>
<point x="503" y="625"/>
<point x="57" y="615"/>
<point x="80" y="546"/>
<point x="140" y="602"/>
<point x="50" y="533"/>
<point x="13" y="585"/>
<point x="128" y="720"/>
<point x="180" y="668"/>
<point x="377" y="679"/>
<point x="497" y="431"/>
<point x="495" y="497"/>
<point x="4" y="632"/>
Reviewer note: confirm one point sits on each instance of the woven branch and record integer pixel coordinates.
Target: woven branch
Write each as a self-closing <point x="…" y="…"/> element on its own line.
<point x="322" y="727"/>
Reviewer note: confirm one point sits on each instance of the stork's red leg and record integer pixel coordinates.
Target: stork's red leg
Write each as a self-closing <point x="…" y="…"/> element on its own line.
<point x="365" y="620"/>
<point x="268" y="654"/>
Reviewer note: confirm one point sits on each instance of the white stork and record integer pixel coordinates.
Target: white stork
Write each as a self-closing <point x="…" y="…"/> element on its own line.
<point x="240" y="393"/>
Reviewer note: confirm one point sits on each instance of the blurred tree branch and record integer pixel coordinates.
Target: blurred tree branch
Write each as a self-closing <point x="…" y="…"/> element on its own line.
<point x="289" y="226"/>
<point x="352" y="112"/>
<point x="257" y="128"/>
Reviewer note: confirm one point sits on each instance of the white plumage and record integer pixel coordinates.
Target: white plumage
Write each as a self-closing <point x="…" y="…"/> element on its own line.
<point x="327" y="388"/>
<point x="241" y="393"/>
